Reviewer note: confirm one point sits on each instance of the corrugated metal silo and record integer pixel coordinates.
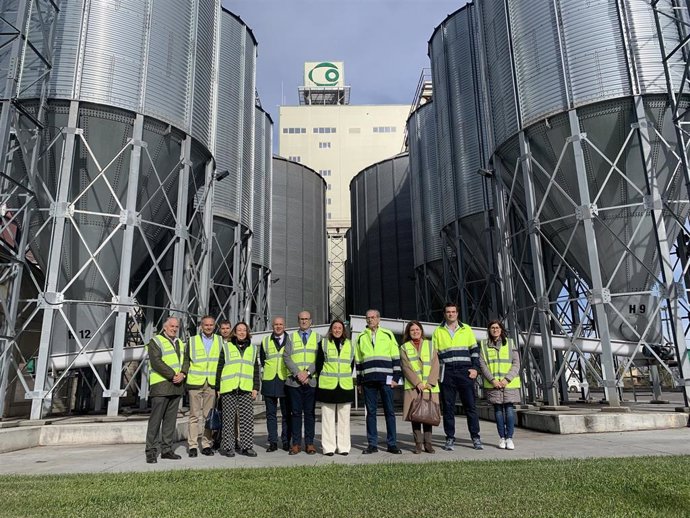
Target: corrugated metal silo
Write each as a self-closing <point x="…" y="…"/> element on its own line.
<point x="425" y="193"/>
<point x="261" y="227"/>
<point x="589" y="74"/>
<point x="382" y="260"/>
<point x="120" y="72"/>
<point x="460" y="114"/>
<point x="299" y="263"/>
<point x="234" y="145"/>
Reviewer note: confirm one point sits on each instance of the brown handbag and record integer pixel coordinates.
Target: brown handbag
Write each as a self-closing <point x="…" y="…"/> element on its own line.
<point x="423" y="410"/>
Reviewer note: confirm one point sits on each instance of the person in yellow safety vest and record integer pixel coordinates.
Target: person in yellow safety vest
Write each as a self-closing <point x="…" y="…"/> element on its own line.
<point x="500" y="365"/>
<point x="237" y="380"/>
<point x="201" y="364"/>
<point x="458" y="354"/>
<point x="166" y="382"/>
<point x="420" y="367"/>
<point x="335" y="360"/>
<point x="377" y="358"/>
<point x="299" y="356"/>
<point x="273" y="385"/>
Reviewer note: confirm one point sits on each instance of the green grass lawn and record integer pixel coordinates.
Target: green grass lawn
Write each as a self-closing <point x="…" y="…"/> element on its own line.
<point x="642" y="486"/>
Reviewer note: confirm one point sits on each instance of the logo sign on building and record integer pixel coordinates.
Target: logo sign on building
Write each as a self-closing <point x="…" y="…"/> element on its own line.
<point x="324" y="73"/>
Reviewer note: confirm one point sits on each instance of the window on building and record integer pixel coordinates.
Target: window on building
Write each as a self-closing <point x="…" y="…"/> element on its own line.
<point x="295" y="158"/>
<point x="324" y="145"/>
<point x="328" y="201"/>
<point x="294" y="130"/>
<point x="324" y="130"/>
<point x="384" y="129"/>
<point x="328" y="186"/>
<point x="325" y="172"/>
<point x="328" y="215"/>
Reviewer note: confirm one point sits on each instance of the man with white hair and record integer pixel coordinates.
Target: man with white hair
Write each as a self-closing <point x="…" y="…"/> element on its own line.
<point x="166" y="382"/>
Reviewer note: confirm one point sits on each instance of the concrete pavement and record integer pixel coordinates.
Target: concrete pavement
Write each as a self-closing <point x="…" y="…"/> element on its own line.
<point x="529" y="444"/>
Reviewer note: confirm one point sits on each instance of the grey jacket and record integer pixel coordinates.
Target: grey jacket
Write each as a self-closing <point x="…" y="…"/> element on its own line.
<point x="501" y="396"/>
<point x="288" y="350"/>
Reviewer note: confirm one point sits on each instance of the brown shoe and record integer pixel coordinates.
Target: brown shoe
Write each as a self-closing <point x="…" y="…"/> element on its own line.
<point x="295" y="449"/>
<point x="311" y="449"/>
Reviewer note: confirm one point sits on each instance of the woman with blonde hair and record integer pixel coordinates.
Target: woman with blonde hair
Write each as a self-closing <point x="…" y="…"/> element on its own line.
<point x="419" y="362"/>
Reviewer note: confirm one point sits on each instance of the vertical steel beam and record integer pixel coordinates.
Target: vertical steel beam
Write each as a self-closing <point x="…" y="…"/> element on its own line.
<point x="207" y="248"/>
<point x="599" y="296"/>
<point x="50" y="298"/>
<point x="123" y="304"/>
<point x="181" y="232"/>
<point x="542" y="299"/>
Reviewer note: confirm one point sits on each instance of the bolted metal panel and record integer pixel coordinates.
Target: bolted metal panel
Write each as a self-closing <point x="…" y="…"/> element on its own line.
<point x="425" y="186"/>
<point x="457" y="90"/>
<point x="537" y="59"/>
<point x="114" y="53"/>
<point x="169" y="62"/>
<point x="298" y="247"/>
<point x="205" y="65"/>
<point x="267" y="190"/>
<point x="437" y="53"/>
<point x="644" y="44"/>
<point x="382" y="262"/>
<point x="248" y="129"/>
<point x="595" y="51"/>
<point x="503" y="104"/>
<point x="262" y="184"/>
<point x="234" y="101"/>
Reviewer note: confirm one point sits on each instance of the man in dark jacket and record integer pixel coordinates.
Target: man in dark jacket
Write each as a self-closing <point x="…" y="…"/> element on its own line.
<point x="166" y="382"/>
<point x="273" y="385"/>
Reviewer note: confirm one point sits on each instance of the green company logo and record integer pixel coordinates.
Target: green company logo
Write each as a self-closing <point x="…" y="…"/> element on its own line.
<point x="324" y="74"/>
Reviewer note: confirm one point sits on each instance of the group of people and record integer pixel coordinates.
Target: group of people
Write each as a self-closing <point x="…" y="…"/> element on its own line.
<point x="294" y="371"/>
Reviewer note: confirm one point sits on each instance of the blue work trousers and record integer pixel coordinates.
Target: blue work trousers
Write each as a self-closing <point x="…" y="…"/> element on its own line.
<point x="371" y="393"/>
<point x="302" y="401"/>
<point x="457" y="381"/>
<point x="272" y="420"/>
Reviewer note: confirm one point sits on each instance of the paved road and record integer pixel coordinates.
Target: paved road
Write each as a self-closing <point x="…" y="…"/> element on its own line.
<point x="529" y="444"/>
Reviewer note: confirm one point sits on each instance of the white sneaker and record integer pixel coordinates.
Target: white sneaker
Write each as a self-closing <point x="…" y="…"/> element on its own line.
<point x="502" y="444"/>
<point x="509" y="444"/>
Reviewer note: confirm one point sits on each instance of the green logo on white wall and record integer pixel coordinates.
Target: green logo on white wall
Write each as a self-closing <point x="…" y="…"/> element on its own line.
<point x="324" y="74"/>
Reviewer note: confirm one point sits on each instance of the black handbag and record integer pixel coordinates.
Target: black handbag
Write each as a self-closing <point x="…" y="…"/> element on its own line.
<point x="213" y="420"/>
<point x="426" y="411"/>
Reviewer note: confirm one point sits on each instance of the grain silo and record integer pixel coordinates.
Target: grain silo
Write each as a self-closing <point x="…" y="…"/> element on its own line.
<point x="382" y="259"/>
<point x="127" y="136"/>
<point x="425" y="194"/>
<point x="462" y="153"/>
<point x="584" y="140"/>
<point x="299" y="263"/>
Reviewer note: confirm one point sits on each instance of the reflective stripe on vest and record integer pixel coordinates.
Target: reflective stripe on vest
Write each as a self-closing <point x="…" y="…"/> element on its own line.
<point x="169" y="357"/>
<point x="238" y="369"/>
<point x="499" y="362"/>
<point x="304" y="355"/>
<point x="420" y="363"/>
<point x="370" y="358"/>
<point x="202" y="367"/>
<point x="274" y="364"/>
<point x="337" y="367"/>
<point x="455" y="349"/>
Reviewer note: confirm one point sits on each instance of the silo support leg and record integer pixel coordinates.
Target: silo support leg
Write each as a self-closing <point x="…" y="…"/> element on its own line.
<point x="599" y="296"/>
<point x="124" y="301"/>
<point x="51" y="299"/>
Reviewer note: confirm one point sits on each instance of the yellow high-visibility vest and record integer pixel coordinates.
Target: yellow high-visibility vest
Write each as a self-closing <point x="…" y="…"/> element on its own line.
<point x="337" y="366"/>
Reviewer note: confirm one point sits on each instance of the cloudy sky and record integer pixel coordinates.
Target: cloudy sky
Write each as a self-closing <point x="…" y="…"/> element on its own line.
<point x="383" y="44"/>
